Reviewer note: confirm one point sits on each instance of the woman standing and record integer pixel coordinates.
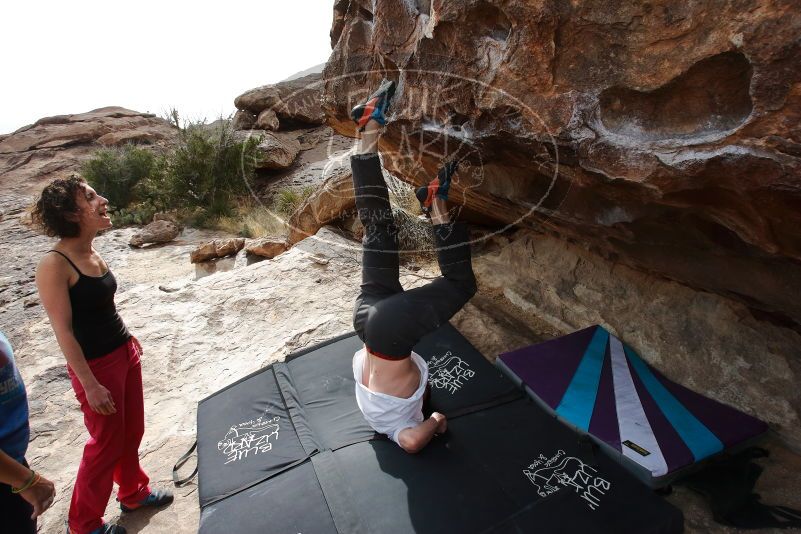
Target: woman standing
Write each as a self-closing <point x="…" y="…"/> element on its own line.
<point x="77" y="290"/>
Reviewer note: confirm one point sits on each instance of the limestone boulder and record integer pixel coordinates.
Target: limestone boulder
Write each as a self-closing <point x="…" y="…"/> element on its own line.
<point x="267" y="120"/>
<point x="663" y="135"/>
<point x="330" y="201"/>
<point x="141" y="136"/>
<point x="267" y="247"/>
<point x="276" y="152"/>
<point x="113" y="123"/>
<point x="157" y="232"/>
<point x="258" y="99"/>
<point x="295" y="102"/>
<point x="243" y="120"/>
<point x="301" y="100"/>
<point x="218" y="248"/>
<point x="55" y="146"/>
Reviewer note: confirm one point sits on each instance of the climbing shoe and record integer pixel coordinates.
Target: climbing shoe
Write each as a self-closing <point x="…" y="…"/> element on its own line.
<point x="156" y="499"/>
<point x="439" y="187"/>
<point x="375" y="107"/>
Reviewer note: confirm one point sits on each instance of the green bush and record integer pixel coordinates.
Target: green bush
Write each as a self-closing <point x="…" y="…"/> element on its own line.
<point x="115" y="172"/>
<point x="203" y="176"/>
<point x="209" y="169"/>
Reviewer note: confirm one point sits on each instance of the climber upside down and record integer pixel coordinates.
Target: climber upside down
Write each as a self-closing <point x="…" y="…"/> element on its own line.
<point x="391" y="379"/>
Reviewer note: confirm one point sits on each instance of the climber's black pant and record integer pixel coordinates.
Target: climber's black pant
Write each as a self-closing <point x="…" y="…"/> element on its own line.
<point x="388" y="319"/>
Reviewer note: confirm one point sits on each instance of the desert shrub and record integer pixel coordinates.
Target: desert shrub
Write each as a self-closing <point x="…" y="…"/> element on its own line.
<point x="209" y="169"/>
<point x="115" y="172"/>
<point x="204" y="176"/>
<point x="287" y="200"/>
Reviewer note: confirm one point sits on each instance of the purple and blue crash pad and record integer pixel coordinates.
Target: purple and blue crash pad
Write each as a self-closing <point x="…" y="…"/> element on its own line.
<point x="599" y="386"/>
<point x="286" y="450"/>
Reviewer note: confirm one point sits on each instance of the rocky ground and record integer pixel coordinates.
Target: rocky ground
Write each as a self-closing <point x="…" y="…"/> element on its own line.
<point x="54" y="146"/>
<point x="204" y="326"/>
<point x="201" y="332"/>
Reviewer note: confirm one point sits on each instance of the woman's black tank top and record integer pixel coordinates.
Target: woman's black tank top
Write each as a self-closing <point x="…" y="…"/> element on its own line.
<point x="95" y="322"/>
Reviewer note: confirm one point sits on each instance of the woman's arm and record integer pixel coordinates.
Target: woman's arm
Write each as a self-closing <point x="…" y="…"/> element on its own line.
<point x="12" y="472"/>
<point x="16" y="475"/>
<point x="52" y="280"/>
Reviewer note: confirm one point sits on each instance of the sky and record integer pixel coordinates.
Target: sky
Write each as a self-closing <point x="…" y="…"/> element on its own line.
<point x="62" y="57"/>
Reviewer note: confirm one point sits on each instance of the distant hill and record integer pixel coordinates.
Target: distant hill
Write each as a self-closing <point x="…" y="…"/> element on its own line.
<point x="317" y="69"/>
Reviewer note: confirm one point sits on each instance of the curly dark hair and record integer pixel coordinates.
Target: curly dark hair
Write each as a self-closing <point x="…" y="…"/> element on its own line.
<point x="56" y="202"/>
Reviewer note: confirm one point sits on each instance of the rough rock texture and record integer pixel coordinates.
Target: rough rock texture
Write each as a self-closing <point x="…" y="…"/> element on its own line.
<point x="709" y="343"/>
<point x="267" y="247"/>
<point x="295" y="102"/>
<point x="54" y="146"/>
<point x="665" y="135"/>
<point x="267" y="120"/>
<point x="327" y="203"/>
<point x="200" y="335"/>
<point x="159" y="231"/>
<point x="219" y="248"/>
<point x="276" y="151"/>
<point x="243" y="120"/>
<point x="21" y="248"/>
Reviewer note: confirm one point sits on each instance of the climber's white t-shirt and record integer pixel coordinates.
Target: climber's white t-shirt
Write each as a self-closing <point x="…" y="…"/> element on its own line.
<point x="384" y="413"/>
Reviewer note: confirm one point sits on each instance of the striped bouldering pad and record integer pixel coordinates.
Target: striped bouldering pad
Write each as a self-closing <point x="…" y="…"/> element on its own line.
<point x="598" y="385"/>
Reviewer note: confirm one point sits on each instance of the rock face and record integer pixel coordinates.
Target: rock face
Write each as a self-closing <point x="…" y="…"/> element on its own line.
<point x="159" y="231"/>
<point x="267" y="247"/>
<point x="243" y="120"/>
<point x="664" y="135"/>
<point x="292" y="102"/>
<point x="267" y="120"/>
<point x="276" y="152"/>
<point x="219" y="248"/>
<point x="709" y="343"/>
<point x="200" y="335"/>
<point x="327" y="203"/>
<point x="54" y="146"/>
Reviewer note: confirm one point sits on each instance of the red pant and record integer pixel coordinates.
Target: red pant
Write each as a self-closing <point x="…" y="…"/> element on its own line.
<point x="112" y="452"/>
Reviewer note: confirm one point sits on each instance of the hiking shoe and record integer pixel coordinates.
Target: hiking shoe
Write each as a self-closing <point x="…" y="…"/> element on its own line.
<point x="156" y="499"/>
<point x="108" y="528"/>
<point x="105" y="529"/>
<point x="375" y="107"/>
<point x="439" y="187"/>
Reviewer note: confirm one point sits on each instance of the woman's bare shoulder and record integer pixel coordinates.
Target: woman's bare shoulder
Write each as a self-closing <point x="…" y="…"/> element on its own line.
<point x="52" y="264"/>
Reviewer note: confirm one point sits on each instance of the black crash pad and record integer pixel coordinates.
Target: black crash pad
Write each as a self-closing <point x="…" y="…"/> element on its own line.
<point x="286" y="450"/>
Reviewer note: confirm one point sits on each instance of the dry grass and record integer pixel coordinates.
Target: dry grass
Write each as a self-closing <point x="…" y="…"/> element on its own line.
<point x="288" y="199"/>
<point x="259" y="219"/>
<point x="253" y="220"/>
<point x="415" y="239"/>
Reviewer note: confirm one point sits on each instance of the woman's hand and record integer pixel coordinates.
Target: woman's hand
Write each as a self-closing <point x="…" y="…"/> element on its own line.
<point x="100" y="401"/>
<point x="40" y="496"/>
